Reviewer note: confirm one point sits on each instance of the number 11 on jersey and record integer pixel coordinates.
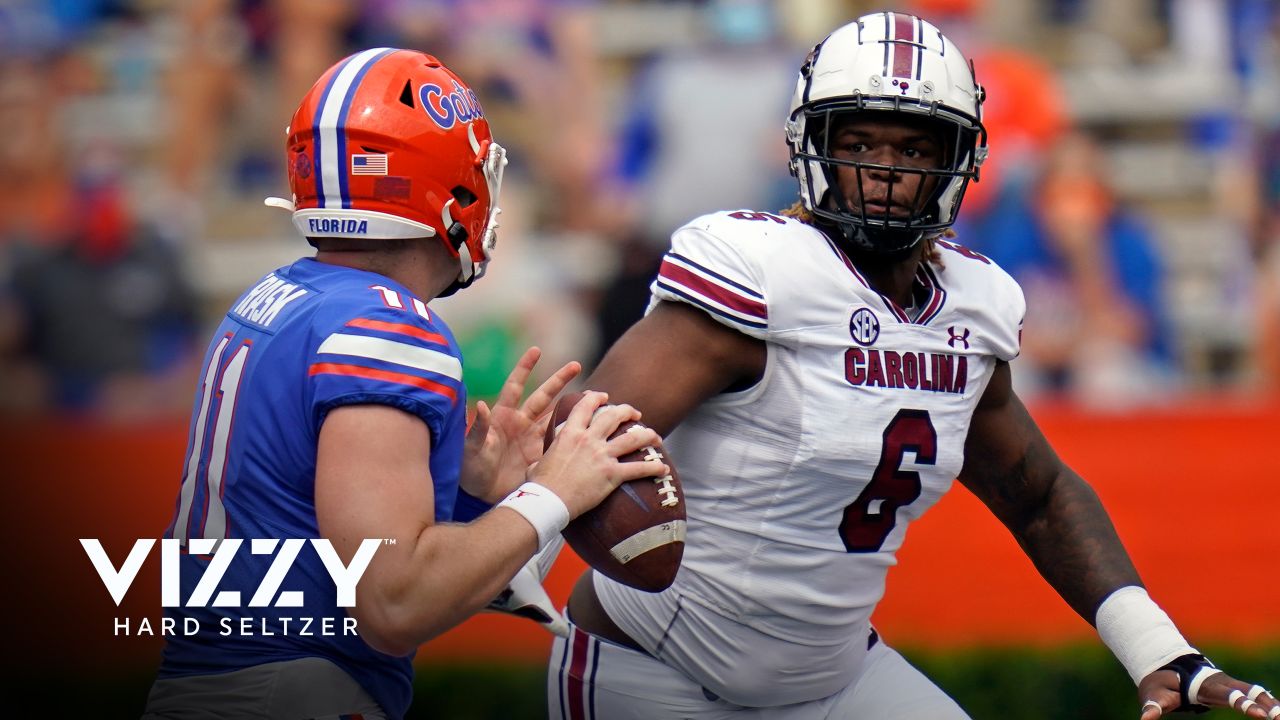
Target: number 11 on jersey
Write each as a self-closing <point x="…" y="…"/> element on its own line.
<point x="213" y="460"/>
<point x="874" y="514"/>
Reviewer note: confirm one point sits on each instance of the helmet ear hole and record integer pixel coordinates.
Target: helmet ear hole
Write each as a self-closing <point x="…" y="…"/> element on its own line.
<point x="406" y="95"/>
<point x="463" y="195"/>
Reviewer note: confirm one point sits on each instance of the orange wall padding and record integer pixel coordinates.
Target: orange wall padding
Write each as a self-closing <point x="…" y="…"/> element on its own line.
<point x="1193" y="489"/>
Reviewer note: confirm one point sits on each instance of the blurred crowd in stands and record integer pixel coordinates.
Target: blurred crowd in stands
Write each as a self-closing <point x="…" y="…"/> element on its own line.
<point x="1133" y="188"/>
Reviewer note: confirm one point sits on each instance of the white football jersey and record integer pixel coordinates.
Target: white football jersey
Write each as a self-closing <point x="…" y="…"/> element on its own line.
<point x="800" y="489"/>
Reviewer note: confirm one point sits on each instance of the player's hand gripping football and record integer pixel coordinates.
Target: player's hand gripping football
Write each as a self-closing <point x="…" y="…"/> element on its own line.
<point x="1193" y="683"/>
<point x="504" y="440"/>
<point x="582" y="465"/>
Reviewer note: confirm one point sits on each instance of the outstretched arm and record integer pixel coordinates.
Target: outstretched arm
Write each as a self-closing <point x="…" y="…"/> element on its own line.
<point x="1051" y="511"/>
<point x="672" y="360"/>
<point x="1065" y="531"/>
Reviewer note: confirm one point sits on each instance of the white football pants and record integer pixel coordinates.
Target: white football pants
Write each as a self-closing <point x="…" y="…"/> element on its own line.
<point x="593" y="679"/>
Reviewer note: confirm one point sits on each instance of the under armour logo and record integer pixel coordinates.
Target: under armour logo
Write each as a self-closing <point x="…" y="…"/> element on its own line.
<point x="958" y="337"/>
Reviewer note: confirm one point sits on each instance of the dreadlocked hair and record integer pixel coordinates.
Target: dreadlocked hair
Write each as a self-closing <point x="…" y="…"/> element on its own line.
<point x="799" y="212"/>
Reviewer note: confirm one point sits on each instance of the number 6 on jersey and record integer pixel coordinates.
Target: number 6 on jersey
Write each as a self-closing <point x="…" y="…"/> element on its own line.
<point x="871" y="517"/>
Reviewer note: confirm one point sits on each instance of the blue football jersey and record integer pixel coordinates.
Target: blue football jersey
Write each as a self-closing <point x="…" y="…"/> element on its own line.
<point x="307" y="338"/>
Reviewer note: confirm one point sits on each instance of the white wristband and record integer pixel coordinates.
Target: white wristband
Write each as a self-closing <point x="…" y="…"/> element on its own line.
<point x="544" y="510"/>
<point x="1139" y="633"/>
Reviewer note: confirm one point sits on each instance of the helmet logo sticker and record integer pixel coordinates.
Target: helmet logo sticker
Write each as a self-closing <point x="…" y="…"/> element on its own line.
<point x="902" y="85"/>
<point x="461" y="105"/>
<point x="302" y="165"/>
<point x="392" y="188"/>
<point x="864" y="326"/>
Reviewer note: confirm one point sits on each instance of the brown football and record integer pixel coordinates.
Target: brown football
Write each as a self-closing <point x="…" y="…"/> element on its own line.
<point x="636" y="534"/>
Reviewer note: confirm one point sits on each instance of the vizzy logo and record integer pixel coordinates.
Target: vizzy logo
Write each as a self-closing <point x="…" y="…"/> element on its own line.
<point x="118" y="580"/>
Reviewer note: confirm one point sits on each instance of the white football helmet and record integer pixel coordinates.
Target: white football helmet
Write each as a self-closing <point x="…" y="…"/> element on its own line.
<point x="886" y="63"/>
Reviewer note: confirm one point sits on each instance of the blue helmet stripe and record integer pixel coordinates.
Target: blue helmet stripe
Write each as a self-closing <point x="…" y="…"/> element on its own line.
<point x="315" y="131"/>
<point x="344" y="172"/>
<point x="331" y="182"/>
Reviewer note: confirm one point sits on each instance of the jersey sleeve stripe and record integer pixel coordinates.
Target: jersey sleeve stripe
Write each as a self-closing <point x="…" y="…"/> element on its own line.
<point x="400" y="328"/>
<point x="390" y="351"/>
<point x="715" y="308"/>
<point x="712" y="274"/>
<point x="690" y="281"/>
<point x="385" y="376"/>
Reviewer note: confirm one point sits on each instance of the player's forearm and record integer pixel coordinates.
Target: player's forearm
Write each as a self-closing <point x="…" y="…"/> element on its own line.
<point x="1074" y="545"/>
<point x="448" y="574"/>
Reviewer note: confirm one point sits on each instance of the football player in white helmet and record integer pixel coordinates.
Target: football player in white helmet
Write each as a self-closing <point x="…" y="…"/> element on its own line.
<point x="826" y="373"/>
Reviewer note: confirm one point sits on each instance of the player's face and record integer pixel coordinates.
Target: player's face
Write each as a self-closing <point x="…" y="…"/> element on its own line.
<point x="901" y="140"/>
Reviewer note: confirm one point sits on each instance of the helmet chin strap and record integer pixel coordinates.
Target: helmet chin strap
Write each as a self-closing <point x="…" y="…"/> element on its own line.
<point x="464" y="279"/>
<point x="456" y="238"/>
<point x="861" y="237"/>
<point x="454" y="287"/>
<point x="858" y="240"/>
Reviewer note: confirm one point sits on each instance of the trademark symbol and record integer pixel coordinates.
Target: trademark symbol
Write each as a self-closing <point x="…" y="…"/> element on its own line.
<point x="389" y="541"/>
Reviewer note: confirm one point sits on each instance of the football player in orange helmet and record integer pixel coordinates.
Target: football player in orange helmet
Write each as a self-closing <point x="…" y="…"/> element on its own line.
<point x="339" y="423"/>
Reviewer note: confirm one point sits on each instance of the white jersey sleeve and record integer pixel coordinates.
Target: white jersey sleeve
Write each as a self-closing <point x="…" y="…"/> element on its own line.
<point x="1012" y="306"/>
<point x="998" y="307"/>
<point x="716" y="263"/>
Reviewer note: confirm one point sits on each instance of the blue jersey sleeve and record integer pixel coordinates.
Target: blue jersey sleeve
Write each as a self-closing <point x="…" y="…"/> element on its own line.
<point x="366" y="353"/>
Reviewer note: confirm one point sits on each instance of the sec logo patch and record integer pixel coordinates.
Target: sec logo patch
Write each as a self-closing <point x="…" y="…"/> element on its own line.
<point x="864" y="326"/>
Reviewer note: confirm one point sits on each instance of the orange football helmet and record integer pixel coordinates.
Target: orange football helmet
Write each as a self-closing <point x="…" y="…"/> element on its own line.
<point x="392" y="144"/>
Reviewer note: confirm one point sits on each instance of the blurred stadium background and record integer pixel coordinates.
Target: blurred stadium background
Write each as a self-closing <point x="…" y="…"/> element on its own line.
<point x="1134" y="189"/>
